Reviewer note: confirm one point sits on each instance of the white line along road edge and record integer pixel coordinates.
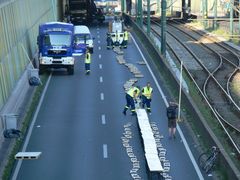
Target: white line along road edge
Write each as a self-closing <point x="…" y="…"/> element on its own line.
<point x="166" y="103"/>
<point x="19" y="163"/>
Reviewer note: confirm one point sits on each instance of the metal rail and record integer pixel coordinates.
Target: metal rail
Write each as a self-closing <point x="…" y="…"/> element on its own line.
<point x="210" y="75"/>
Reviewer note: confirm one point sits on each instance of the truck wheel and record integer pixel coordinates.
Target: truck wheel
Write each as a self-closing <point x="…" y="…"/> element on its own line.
<point x="70" y="70"/>
<point x="41" y="70"/>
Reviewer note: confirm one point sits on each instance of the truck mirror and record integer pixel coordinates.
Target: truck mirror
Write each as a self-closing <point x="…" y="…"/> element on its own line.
<point x="38" y="39"/>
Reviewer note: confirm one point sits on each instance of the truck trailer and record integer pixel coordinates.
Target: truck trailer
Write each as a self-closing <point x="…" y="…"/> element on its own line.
<point x="55" y="44"/>
<point x="80" y="11"/>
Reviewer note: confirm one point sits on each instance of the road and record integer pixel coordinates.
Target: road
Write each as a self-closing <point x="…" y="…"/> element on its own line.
<point x="80" y="123"/>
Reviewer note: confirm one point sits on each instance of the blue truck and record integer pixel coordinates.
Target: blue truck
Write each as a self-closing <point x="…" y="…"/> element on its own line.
<point x="55" y="44"/>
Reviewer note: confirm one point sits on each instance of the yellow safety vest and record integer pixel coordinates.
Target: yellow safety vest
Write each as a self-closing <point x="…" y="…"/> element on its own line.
<point x="147" y="92"/>
<point x="125" y="35"/>
<point x="88" y="58"/>
<point x="131" y="90"/>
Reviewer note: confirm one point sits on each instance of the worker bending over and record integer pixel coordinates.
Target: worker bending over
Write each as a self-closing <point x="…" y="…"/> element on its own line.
<point x="131" y="95"/>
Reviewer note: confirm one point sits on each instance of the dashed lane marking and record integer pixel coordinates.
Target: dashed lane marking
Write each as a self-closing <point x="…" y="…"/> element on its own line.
<point x="105" y="151"/>
<point x="100" y="66"/>
<point x="101" y="79"/>
<point x="103" y="119"/>
<point x="99" y="56"/>
<point x="102" y="96"/>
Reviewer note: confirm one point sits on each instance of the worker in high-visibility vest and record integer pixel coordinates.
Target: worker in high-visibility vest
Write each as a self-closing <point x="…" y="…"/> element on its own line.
<point x="87" y="61"/>
<point x="147" y="97"/>
<point x="109" y="41"/>
<point x="131" y="95"/>
<point x="125" y="39"/>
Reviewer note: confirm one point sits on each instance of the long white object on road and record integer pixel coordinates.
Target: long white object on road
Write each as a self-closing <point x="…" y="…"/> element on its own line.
<point x="150" y="147"/>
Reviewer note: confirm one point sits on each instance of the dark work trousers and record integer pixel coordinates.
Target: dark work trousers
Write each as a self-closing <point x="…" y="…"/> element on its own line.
<point x="124" y="43"/>
<point x="87" y="67"/>
<point x="109" y="42"/>
<point x="130" y="103"/>
<point x="146" y="101"/>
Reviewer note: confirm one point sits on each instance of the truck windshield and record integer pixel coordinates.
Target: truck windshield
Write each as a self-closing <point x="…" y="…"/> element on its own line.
<point x="78" y="6"/>
<point x="81" y="38"/>
<point x="57" y="40"/>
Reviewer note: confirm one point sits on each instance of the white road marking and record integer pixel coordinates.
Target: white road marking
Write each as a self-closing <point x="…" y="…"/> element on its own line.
<point x="99" y="42"/>
<point x="100" y="66"/>
<point x="99" y="56"/>
<point x="166" y="103"/>
<point x="98" y="28"/>
<point x="98" y="36"/>
<point x="99" y="48"/>
<point x="103" y="119"/>
<point x="101" y="79"/>
<point x="102" y="96"/>
<point x="97" y="32"/>
<point x="19" y="163"/>
<point x="105" y="151"/>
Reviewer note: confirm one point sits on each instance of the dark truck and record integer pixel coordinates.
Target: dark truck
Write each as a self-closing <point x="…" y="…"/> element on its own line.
<point x="81" y="11"/>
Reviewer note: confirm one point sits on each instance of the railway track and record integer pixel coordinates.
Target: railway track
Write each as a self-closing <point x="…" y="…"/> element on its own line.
<point x="212" y="66"/>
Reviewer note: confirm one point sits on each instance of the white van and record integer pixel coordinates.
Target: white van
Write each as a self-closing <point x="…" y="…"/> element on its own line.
<point x="82" y="39"/>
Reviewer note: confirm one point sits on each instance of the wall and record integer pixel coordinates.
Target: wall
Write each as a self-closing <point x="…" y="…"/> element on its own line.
<point x="19" y="20"/>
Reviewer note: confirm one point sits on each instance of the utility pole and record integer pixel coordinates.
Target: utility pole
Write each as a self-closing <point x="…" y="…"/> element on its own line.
<point x="136" y="10"/>
<point x="148" y="17"/>
<point x="215" y="15"/>
<point x="231" y="18"/>
<point x="163" y="31"/>
<point x="122" y="5"/>
<point x="204" y="12"/>
<point x="158" y="6"/>
<point x="238" y="20"/>
<point x="171" y="7"/>
<point x="140" y="12"/>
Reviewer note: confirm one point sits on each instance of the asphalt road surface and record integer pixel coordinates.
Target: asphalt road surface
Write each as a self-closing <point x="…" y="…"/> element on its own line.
<point x="80" y="123"/>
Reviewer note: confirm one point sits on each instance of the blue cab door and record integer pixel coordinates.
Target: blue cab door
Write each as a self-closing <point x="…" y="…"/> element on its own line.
<point x="79" y="45"/>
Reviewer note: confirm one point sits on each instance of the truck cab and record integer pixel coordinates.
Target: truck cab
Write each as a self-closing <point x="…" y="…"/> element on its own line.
<point x="55" y="44"/>
<point x="82" y="39"/>
<point x="115" y="30"/>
